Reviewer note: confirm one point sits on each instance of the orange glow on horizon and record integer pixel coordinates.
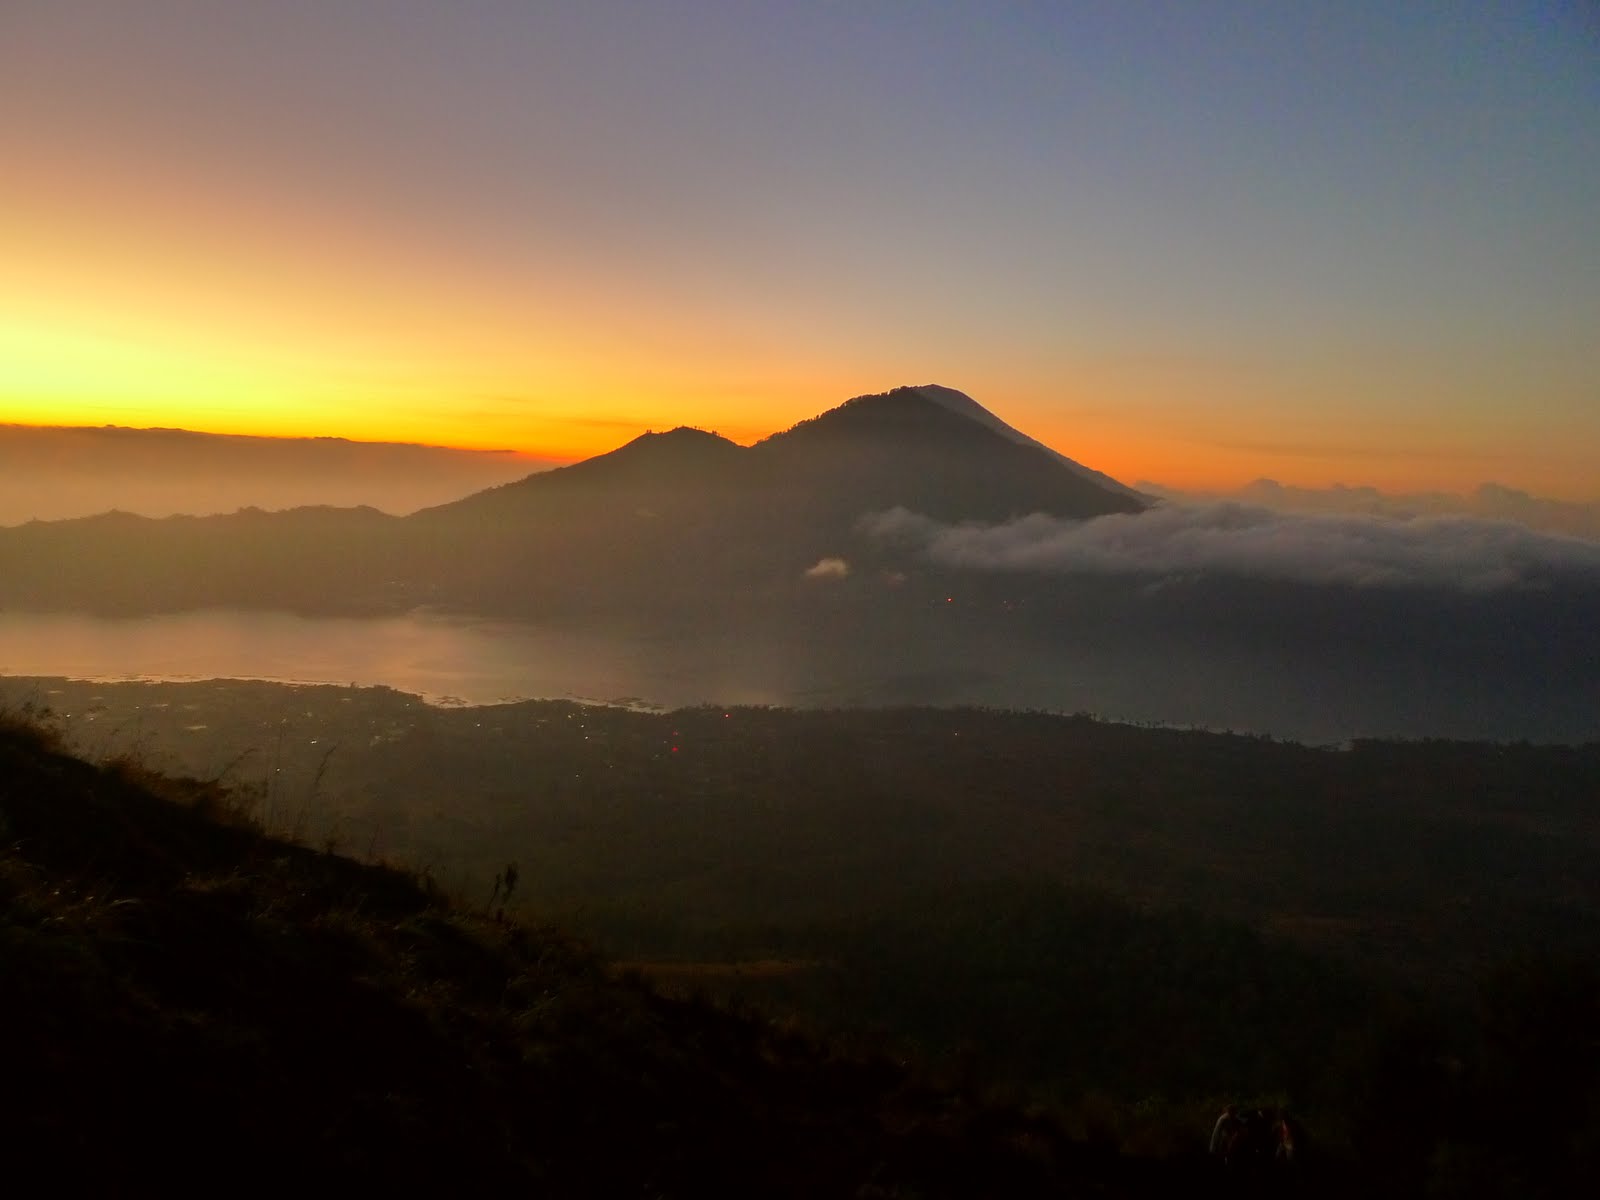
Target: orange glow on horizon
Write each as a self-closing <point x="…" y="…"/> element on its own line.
<point x="504" y="232"/>
<point x="1129" y="459"/>
<point x="463" y="394"/>
<point x="312" y="330"/>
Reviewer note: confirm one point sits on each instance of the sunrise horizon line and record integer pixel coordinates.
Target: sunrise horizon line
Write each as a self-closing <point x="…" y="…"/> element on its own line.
<point x="1200" y="489"/>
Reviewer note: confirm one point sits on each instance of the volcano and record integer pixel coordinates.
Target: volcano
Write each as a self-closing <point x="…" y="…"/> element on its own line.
<point x="678" y="519"/>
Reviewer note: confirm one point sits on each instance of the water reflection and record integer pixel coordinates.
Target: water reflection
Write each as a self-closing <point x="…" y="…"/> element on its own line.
<point x="1317" y="694"/>
<point x="444" y="660"/>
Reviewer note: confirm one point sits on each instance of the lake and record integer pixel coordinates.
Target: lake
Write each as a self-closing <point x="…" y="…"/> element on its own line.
<point x="1322" y="698"/>
<point x="443" y="660"/>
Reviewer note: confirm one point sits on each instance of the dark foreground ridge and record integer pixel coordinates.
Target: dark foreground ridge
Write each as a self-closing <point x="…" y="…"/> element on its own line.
<point x="192" y="1004"/>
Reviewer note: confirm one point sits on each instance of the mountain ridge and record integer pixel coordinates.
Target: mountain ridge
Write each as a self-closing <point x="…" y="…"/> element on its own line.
<point x="679" y="521"/>
<point x="899" y="423"/>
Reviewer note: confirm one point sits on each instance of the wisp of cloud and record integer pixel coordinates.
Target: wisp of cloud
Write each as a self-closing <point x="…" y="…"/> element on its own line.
<point x="828" y="568"/>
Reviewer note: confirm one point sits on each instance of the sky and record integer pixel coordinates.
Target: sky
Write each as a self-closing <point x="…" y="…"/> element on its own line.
<point x="1195" y="243"/>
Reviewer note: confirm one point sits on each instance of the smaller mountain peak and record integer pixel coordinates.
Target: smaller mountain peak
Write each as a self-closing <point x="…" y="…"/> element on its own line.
<point x="683" y="450"/>
<point x="682" y="439"/>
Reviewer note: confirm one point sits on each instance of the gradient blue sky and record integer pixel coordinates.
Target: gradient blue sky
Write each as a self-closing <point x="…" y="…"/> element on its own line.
<point x="1195" y="243"/>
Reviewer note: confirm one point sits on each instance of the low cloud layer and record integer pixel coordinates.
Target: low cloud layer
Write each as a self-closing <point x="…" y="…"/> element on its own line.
<point x="1465" y="553"/>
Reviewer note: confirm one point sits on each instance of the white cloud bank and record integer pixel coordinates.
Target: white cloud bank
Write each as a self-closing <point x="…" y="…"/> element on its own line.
<point x="1492" y="501"/>
<point x="1466" y="553"/>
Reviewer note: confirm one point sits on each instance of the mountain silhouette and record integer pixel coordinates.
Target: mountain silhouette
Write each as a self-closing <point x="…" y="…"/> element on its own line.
<point x="687" y="520"/>
<point x="960" y="402"/>
<point x="911" y="447"/>
<point x="937" y="452"/>
<point x="680" y="520"/>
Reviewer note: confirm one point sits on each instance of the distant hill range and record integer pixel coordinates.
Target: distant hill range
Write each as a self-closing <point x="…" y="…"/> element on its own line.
<point x="682" y="520"/>
<point x="55" y="473"/>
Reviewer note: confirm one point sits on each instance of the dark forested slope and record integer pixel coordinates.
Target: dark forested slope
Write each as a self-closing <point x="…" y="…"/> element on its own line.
<point x="170" y="977"/>
<point x="191" y="1005"/>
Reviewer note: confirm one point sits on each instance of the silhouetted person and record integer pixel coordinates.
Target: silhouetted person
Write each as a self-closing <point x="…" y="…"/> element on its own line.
<point x="1225" y="1132"/>
<point x="1253" y="1141"/>
<point x="1290" y="1138"/>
